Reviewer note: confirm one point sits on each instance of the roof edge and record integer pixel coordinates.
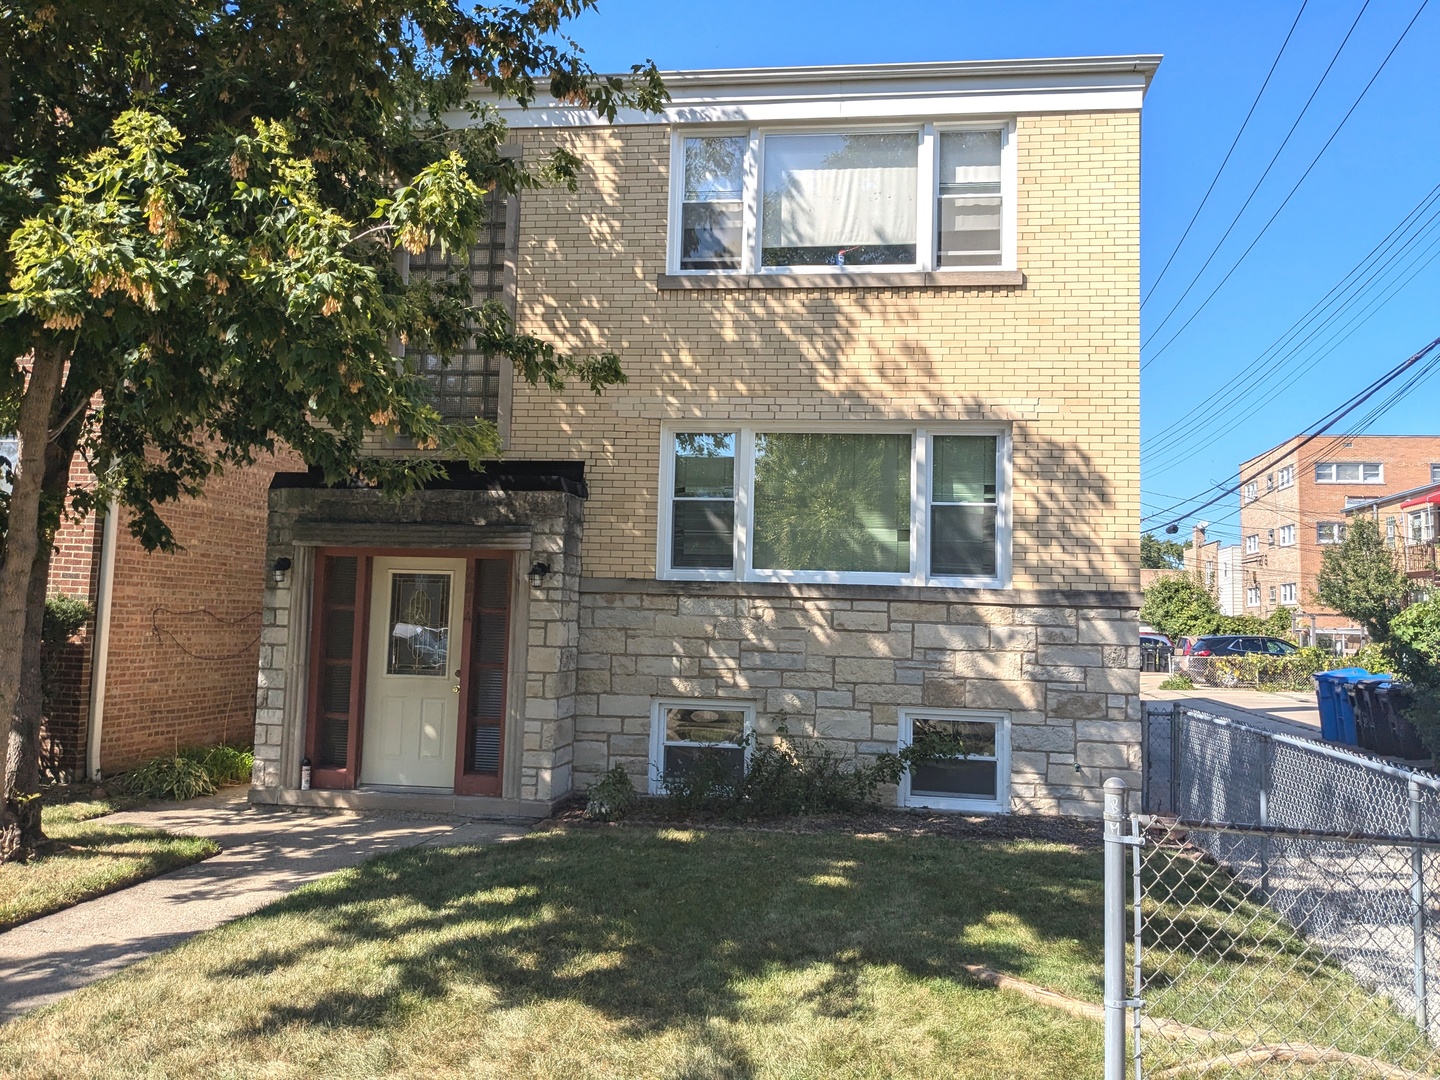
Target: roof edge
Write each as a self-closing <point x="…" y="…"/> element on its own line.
<point x="1141" y="63"/>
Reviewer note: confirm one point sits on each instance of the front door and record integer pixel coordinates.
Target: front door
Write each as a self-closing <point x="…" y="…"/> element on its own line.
<point x="412" y="685"/>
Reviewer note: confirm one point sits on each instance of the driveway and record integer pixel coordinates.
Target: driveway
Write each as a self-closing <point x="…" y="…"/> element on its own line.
<point x="264" y="854"/>
<point x="1283" y="712"/>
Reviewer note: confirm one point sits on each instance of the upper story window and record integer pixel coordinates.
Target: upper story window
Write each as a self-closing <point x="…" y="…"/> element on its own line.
<point x="1285" y="477"/>
<point x="1421" y="526"/>
<point x="899" y="199"/>
<point x="1329" y="532"/>
<point x="1250" y="492"/>
<point x="1287" y="593"/>
<point x="1287" y="535"/>
<point x="1270" y="482"/>
<point x="1252" y="543"/>
<point x="1349" y="472"/>
<point x="1252" y="596"/>
<point x="1435" y="474"/>
<point x="907" y="506"/>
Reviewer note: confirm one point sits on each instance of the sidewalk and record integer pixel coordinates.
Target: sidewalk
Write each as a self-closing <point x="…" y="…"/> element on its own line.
<point x="1283" y="712"/>
<point x="264" y="855"/>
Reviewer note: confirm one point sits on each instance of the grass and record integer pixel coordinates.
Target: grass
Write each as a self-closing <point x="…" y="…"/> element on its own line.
<point x="88" y="856"/>
<point x="627" y="952"/>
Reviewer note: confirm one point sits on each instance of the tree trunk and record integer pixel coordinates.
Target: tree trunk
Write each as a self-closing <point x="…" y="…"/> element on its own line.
<point x="22" y="542"/>
<point x="22" y="757"/>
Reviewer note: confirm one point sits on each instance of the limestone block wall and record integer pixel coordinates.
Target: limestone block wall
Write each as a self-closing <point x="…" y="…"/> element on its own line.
<point x="838" y="663"/>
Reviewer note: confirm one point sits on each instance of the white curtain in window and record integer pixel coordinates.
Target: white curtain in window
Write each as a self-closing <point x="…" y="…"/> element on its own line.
<point x="834" y="190"/>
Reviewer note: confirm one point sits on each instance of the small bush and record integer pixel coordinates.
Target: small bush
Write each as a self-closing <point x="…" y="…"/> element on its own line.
<point x="1272" y="672"/>
<point x="611" y="797"/>
<point x="1373" y="657"/>
<point x="225" y="764"/>
<point x="177" y="778"/>
<point x="1178" y="681"/>
<point x="64" y="616"/>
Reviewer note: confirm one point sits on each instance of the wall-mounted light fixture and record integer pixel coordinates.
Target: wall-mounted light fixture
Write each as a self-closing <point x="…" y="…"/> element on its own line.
<point x="279" y="570"/>
<point x="537" y="573"/>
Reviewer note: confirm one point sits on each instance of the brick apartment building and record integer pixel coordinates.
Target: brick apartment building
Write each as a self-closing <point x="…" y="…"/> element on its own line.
<point x="1409" y="521"/>
<point x="1293" y="503"/>
<point x="875" y="470"/>
<point x="169" y="660"/>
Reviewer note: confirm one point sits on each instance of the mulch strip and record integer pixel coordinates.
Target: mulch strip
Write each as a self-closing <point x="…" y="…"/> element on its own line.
<point x="1080" y="833"/>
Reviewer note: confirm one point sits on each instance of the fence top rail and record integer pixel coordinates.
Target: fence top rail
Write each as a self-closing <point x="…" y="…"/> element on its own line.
<point x="1146" y="821"/>
<point x="1312" y="746"/>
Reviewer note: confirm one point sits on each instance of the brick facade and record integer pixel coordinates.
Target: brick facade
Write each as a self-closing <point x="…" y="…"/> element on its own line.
<point x="1408" y="461"/>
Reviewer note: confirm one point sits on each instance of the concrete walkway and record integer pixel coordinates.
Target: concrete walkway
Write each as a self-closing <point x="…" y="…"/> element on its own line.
<point x="264" y="854"/>
<point x="1282" y="712"/>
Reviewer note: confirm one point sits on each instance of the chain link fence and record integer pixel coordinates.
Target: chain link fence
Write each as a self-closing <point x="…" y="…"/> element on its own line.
<point x="1275" y="911"/>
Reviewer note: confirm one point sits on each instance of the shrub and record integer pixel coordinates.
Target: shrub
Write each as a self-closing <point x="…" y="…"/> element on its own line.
<point x="611" y="797"/>
<point x="64" y="616"/>
<point x="1178" y="681"/>
<point x="175" y="777"/>
<point x="1272" y="672"/>
<point x="1374" y="657"/>
<point x="225" y="764"/>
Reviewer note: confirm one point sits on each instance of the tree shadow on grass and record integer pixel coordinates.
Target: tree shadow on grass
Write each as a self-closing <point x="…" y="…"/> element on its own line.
<point x="654" y="928"/>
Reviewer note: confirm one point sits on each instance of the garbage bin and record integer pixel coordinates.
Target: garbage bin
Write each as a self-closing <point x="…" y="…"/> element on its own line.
<point x="1391" y="700"/>
<point x="1337" y="715"/>
<point x="1372" y="730"/>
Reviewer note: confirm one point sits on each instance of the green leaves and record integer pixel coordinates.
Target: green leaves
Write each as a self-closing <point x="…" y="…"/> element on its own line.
<point x="1359" y="579"/>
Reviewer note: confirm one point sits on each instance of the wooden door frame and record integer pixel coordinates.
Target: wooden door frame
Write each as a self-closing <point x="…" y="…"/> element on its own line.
<point x="349" y="776"/>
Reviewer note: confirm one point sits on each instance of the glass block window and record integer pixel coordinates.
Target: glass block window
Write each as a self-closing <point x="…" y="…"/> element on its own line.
<point x="469" y="386"/>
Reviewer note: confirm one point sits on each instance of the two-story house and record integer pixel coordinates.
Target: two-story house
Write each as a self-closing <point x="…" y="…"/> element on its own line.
<point x="875" y="470"/>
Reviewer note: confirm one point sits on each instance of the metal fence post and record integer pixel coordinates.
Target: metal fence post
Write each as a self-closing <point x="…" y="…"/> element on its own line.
<point x="1267" y="755"/>
<point x="1115" y="928"/>
<point x="1417" y="910"/>
<point x="1174" y="805"/>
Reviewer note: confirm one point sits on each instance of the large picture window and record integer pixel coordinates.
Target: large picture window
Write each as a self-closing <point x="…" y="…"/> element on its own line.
<point x="899" y="506"/>
<point x="920" y="197"/>
<point x="971" y="769"/>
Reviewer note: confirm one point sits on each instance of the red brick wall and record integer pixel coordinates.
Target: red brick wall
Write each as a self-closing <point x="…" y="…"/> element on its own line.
<point x="184" y="626"/>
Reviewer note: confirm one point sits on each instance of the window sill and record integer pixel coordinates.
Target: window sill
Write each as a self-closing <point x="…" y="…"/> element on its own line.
<point x="949" y="279"/>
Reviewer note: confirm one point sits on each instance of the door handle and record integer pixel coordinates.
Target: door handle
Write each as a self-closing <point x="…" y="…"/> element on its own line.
<point x="455" y="689"/>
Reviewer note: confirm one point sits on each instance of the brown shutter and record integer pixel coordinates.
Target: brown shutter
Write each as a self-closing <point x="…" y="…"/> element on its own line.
<point x="482" y="749"/>
<point x="336" y="665"/>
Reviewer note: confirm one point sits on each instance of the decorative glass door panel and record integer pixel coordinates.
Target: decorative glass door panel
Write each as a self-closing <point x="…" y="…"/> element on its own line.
<point x="482" y="752"/>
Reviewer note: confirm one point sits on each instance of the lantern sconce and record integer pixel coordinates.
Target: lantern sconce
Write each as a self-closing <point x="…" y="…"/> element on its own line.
<point x="280" y="569"/>
<point x="537" y="573"/>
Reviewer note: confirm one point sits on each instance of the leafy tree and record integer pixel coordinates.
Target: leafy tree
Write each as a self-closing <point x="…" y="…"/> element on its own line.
<point x="1179" y="607"/>
<point x="1158" y="554"/>
<point x="205" y="210"/>
<point x="1359" y="579"/>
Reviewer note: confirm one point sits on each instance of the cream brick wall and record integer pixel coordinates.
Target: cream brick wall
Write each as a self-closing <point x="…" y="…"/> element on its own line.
<point x="1057" y="357"/>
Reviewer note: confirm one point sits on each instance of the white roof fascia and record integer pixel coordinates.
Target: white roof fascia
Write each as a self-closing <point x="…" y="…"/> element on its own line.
<point x="875" y="92"/>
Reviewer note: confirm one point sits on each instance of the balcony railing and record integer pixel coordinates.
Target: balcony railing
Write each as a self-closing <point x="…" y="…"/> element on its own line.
<point x="1417" y="558"/>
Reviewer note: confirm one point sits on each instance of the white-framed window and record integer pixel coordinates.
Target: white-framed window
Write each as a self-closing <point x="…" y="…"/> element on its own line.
<point x="976" y="781"/>
<point x="1272" y="594"/>
<point x="1252" y="543"/>
<point x="1252" y="596"/>
<point x="895" y="197"/>
<point x="1329" y="532"/>
<point x="1285" y="477"/>
<point x="1269" y="482"/>
<point x="1287" y="593"/>
<point x="1350" y="472"/>
<point x="1390" y="531"/>
<point x="1421" y="526"/>
<point x="1270" y="537"/>
<point x="1286" y="535"/>
<point x="1435" y="473"/>
<point x="685" y="731"/>
<point x="1250" y="492"/>
<point x="872" y="504"/>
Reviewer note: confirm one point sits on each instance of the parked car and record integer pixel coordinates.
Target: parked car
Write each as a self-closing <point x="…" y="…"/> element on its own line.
<point x="1237" y="645"/>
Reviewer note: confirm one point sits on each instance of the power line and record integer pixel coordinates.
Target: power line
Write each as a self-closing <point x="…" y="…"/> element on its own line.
<point x="1340" y="287"/>
<point x="1324" y="423"/>
<point x="1236" y="142"/>
<point x="1256" y="188"/>
<point x="1285" y="202"/>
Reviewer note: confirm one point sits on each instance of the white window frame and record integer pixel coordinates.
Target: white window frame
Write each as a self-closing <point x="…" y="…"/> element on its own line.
<point x="1001" y="803"/>
<point x="927" y="195"/>
<point x="1285" y="477"/>
<point x="1250" y="492"/>
<point x="1252" y="544"/>
<point x="658" y="741"/>
<point x="1435" y="472"/>
<point x="742" y="568"/>
<point x="1287" y="593"/>
<point x="1286" y="536"/>
<point x="1335" y="530"/>
<point x="1252" y="596"/>
<point x="1328" y="472"/>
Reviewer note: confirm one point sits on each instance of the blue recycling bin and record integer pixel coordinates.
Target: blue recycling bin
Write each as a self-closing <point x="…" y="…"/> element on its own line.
<point x="1337" y="714"/>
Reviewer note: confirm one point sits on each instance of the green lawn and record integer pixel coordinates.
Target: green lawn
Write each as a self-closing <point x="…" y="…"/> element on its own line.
<point x="636" y="952"/>
<point x="86" y="857"/>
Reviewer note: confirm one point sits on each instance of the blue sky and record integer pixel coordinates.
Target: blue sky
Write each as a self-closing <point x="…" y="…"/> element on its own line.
<point x="1379" y="167"/>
